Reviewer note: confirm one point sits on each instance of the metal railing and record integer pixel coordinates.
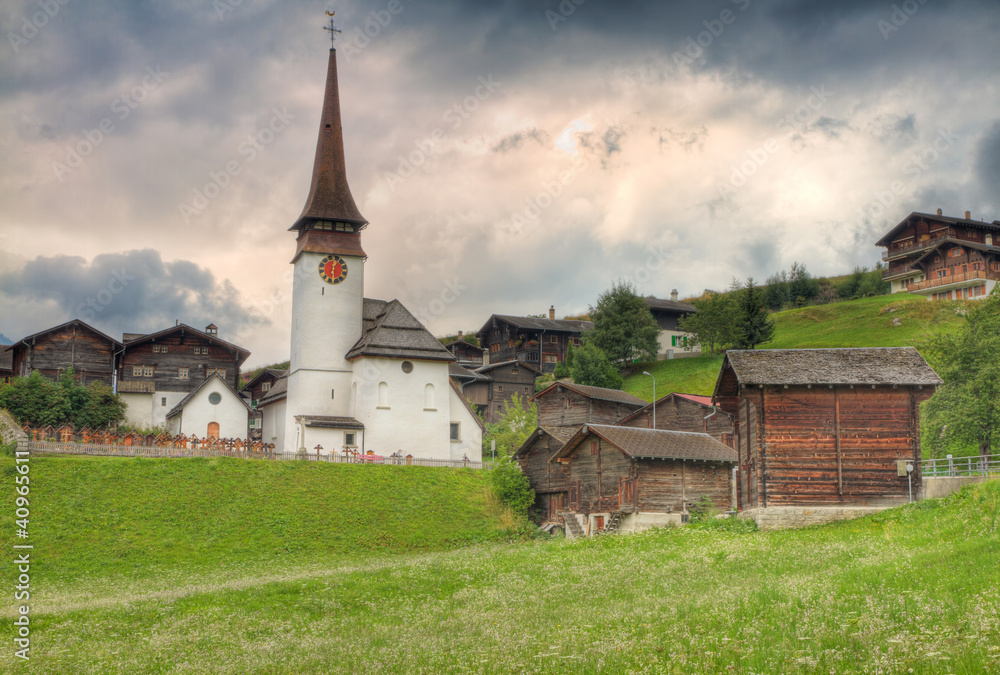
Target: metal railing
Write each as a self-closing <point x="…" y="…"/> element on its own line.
<point x="72" y="448"/>
<point x="961" y="466"/>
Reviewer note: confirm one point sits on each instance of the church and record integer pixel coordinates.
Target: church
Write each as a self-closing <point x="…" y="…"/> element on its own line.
<point x="365" y="375"/>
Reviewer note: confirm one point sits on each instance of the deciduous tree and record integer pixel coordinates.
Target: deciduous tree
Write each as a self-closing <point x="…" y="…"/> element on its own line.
<point x="714" y="324"/>
<point x="624" y="328"/>
<point x="592" y="367"/>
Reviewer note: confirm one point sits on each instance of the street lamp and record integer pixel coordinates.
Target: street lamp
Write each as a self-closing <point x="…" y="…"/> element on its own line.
<point x="654" y="398"/>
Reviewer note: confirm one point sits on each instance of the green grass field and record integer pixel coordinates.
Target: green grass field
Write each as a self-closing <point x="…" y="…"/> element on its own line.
<point x="150" y="567"/>
<point x="868" y="322"/>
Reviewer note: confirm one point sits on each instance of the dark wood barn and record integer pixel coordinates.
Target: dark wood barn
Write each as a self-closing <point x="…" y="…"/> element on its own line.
<point x="684" y="412"/>
<point x="645" y="476"/>
<point x="254" y="390"/>
<point x="825" y="427"/>
<point x="539" y="341"/>
<point x="468" y="355"/>
<point x="565" y="404"/>
<point x="503" y="381"/>
<point x="549" y="480"/>
<point x="89" y="352"/>
<point x="178" y="359"/>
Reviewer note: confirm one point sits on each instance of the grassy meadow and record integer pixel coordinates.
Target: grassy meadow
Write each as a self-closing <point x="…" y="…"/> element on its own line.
<point x="155" y="573"/>
<point x="868" y="322"/>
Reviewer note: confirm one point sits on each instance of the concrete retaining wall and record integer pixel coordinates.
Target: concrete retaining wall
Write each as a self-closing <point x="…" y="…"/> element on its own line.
<point x="784" y="517"/>
<point x="944" y="486"/>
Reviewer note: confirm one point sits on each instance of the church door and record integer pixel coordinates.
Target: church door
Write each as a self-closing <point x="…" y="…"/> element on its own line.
<point x="213" y="430"/>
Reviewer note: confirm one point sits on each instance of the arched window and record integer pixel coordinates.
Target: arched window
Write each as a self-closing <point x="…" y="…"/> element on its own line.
<point x="429" y="397"/>
<point x="383" y="395"/>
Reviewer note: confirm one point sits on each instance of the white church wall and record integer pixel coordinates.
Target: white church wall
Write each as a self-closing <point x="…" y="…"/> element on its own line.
<point x="273" y="424"/>
<point x="162" y="403"/>
<point x="138" y="409"/>
<point x="230" y="413"/>
<point x="470" y="441"/>
<point x="398" y="420"/>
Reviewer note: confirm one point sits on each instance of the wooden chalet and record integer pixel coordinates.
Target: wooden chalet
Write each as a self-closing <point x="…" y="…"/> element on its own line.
<point x="825" y="427"/>
<point x="6" y="365"/>
<point x="668" y="313"/>
<point x="254" y="390"/>
<point x="549" y="480"/>
<point x="90" y="353"/>
<point x="539" y="341"/>
<point x="178" y="359"/>
<point x="565" y="404"/>
<point x="630" y="478"/>
<point x="684" y="412"/>
<point x="467" y="354"/>
<point x="502" y="381"/>
<point x="941" y="257"/>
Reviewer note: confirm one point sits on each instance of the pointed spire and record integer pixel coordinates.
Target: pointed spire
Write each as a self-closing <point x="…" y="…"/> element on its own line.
<point x="330" y="197"/>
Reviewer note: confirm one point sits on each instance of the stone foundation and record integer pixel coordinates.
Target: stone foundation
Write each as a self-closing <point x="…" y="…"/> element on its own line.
<point x="785" y="517"/>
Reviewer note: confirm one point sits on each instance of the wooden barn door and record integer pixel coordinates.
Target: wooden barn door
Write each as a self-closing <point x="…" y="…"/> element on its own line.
<point x="749" y="456"/>
<point x="574" y="496"/>
<point x="557" y="503"/>
<point x="626" y="492"/>
<point x="213" y="430"/>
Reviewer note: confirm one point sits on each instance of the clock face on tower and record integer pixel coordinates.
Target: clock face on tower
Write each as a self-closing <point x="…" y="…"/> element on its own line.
<point x="332" y="269"/>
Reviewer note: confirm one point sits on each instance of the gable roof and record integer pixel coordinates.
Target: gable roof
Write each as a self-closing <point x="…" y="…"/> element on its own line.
<point x="599" y="393"/>
<point x="532" y="323"/>
<point x="705" y="401"/>
<point x="390" y="331"/>
<point x="859" y="366"/>
<point x="177" y="409"/>
<point x="559" y="434"/>
<point x="462" y="373"/>
<point x="277" y="392"/>
<point x="887" y="239"/>
<point x="243" y="354"/>
<point x="519" y="364"/>
<point x="652" y="443"/>
<point x="24" y="341"/>
<point x="463" y="343"/>
<point x="273" y="372"/>
<point x="953" y="241"/>
<point x="670" y="305"/>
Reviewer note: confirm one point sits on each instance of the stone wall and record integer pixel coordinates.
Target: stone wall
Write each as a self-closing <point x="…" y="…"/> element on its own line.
<point x="784" y="517"/>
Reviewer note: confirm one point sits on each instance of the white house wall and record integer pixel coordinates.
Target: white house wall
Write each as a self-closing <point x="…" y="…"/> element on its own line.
<point x="160" y="409"/>
<point x="470" y="443"/>
<point x="231" y="414"/>
<point x="138" y="409"/>
<point x="273" y="424"/>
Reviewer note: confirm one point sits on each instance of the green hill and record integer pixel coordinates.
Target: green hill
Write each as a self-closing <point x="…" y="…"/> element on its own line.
<point x="127" y="515"/>
<point x="882" y="321"/>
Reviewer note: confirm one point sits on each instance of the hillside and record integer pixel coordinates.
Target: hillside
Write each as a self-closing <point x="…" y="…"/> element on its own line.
<point x="131" y="516"/>
<point x="910" y="589"/>
<point x="868" y="322"/>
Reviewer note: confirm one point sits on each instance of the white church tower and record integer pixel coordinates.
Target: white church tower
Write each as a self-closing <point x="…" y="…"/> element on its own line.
<point x="328" y="286"/>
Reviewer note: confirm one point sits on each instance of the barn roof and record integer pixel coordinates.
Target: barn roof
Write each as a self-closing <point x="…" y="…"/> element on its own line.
<point x="272" y="372"/>
<point x="599" y="393"/>
<point x="652" y="443"/>
<point x="390" y="331"/>
<point x="277" y="392"/>
<point x="560" y="434"/>
<point x="700" y="400"/>
<point x="177" y="409"/>
<point x="858" y="366"/>
<point x="519" y="364"/>
<point x="24" y="341"/>
<point x="670" y="305"/>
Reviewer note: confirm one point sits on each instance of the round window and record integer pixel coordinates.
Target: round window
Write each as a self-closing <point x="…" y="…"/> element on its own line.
<point x="407" y="367"/>
<point x="215" y="398"/>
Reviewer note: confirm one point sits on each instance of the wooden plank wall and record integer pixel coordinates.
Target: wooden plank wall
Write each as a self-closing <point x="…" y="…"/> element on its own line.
<point x="543" y="475"/>
<point x="90" y="355"/>
<point x="679" y="414"/>
<point x="598" y="475"/>
<point x="565" y="408"/>
<point x="838" y="445"/>
<point x="662" y="485"/>
<point x="180" y="353"/>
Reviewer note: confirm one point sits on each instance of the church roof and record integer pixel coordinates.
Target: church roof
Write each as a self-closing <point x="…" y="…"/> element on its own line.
<point x="390" y="331"/>
<point x="329" y="194"/>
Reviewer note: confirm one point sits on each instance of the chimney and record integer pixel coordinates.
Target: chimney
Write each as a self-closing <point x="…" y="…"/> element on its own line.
<point x="968" y="215"/>
<point x="552" y="312"/>
<point x="459" y="335"/>
<point x="940" y="213"/>
<point x="673" y="295"/>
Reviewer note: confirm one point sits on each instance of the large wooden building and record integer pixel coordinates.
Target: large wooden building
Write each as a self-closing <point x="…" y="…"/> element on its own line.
<point x="91" y="354"/>
<point x="549" y="480"/>
<point x="941" y="257"/>
<point x="565" y="404"/>
<point x="825" y="427"/>
<point x="684" y="412"/>
<point x="538" y="341"/>
<point x="633" y="478"/>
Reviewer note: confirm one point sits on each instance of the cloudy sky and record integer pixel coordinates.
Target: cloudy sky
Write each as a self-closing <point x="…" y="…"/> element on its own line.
<point x="509" y="156"/>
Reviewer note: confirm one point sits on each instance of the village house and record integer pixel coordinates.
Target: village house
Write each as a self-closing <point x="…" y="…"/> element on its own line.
<point x="630" y="479"/>
<point x="468" y="355"/>
<point x="566" y="404"/>
<point x="824" y="428"/>
<point x="684" y="412"/>
<point x="157" y="370"/>
<point x="538" y="341"/>
<point x="504" y="380"/>
<point x="253" y="391"/>
<point x="941" y="257"/>
<point x="674" y="342"/>
<point x="213" y="409"/>
<point x="91" y="354"/>
<point x="549" y="480"/>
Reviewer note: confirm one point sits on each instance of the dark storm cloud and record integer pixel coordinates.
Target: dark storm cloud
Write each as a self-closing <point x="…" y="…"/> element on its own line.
<point x="988" y="159"/>
<point x="514" y="141"/>
<point x="134" y="291"/>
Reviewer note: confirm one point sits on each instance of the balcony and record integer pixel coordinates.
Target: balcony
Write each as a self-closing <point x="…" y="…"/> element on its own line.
<point x="963" y="278"/>
<point x="914" y="247"/>
<point x="900" y="272"/>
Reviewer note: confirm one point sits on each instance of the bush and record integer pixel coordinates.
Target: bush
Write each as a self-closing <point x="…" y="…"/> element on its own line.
<point x="38" y="401"/>
<point x="511" y="486"/>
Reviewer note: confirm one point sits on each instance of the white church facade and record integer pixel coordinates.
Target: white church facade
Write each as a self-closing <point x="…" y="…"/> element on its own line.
<point x="365" y="375"/>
